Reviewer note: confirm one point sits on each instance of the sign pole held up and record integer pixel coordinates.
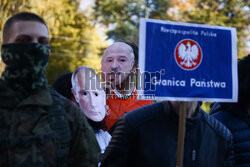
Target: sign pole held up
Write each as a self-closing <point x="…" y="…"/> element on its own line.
<point x="181" y="134"/>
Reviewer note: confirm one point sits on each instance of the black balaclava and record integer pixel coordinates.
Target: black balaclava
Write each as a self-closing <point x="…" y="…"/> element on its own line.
<point x="26" y="66"/>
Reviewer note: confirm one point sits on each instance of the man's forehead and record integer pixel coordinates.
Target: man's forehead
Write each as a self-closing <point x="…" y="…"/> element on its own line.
<point x="118" y="48"/>
<point x="30" y="28"/>
<point x="121" y="45"/>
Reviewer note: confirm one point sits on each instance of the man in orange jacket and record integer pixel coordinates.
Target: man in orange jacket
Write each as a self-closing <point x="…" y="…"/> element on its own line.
<point x="119" y="63"/>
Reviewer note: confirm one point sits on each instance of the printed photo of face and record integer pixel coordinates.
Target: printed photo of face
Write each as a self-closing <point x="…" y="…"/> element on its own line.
<point x="117" y="63"/>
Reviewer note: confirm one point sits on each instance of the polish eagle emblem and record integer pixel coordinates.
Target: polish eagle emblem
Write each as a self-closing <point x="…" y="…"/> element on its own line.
<point x="188" y="54"/>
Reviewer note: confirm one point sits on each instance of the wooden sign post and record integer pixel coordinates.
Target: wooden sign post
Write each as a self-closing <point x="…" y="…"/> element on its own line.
<point x="181" y="134"/>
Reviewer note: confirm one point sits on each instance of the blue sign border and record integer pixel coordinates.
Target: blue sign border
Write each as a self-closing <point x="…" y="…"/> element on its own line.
<point x="142" y="60"/>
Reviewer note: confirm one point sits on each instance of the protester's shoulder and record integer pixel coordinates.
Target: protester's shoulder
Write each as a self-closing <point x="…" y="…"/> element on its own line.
<point x="217" y="111"/>
<point x="72" y="111"/>
<point x="220" y="129"/>
<point x="223" y="115"/>
<point x="4" y="89"/>
<point x="216" y="107"/>
<point x="145" y="113"/>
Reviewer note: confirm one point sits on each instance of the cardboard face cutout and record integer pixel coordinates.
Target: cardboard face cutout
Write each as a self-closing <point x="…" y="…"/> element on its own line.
<point x="92" y="104"/>
<point x="117" y="63"/>
<point x="91" y="101"/>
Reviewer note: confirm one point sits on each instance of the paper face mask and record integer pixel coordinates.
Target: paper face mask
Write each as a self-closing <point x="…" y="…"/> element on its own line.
<point x="90" y="98"/>
<point x="92" y="103"/>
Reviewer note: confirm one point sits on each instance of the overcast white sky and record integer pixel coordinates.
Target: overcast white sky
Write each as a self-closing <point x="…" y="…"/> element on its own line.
<point x="86" y="3"/>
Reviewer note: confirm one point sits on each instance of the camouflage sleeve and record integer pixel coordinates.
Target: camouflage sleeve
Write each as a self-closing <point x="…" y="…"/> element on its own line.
<point x="84" y="149"/>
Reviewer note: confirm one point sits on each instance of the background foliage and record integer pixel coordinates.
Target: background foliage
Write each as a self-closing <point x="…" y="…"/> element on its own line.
<point x="122" y="16"/>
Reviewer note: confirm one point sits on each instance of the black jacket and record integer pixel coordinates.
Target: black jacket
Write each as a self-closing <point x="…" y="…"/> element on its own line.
<point x="239" y="124"/>
<point x="147" y="137"/>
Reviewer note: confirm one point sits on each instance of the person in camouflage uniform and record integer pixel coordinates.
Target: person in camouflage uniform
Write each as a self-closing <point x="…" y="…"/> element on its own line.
<point x="38" y="127"/>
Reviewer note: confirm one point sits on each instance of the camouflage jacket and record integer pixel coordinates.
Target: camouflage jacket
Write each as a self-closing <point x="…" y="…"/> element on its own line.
<point x="28" y="122"/>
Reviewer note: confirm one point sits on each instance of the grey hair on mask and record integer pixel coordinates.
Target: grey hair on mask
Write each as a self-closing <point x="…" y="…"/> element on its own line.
<point x="89" y="72"/>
